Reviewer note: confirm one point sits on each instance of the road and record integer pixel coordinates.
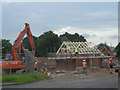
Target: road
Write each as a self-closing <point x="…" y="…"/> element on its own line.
<point x="98" y="82"/>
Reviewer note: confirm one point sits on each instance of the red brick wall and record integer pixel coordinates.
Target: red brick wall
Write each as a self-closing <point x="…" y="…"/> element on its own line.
<point x="68" y="65"/>
<point x="88" y="63"/>
<point x="79" y="62"/>
<point x="45" y="60"/>
<point x="97" y="62"/>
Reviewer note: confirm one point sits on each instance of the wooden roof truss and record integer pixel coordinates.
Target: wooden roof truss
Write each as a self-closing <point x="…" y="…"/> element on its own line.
<point x="82" y="47"/>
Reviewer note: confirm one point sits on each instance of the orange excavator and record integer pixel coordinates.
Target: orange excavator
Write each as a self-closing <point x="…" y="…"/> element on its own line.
<point x="104" y="48"/>
<point x="116" y="67"/>
<point x="15" y="63"/>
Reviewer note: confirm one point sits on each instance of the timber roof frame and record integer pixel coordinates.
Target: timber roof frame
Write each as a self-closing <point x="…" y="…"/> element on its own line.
<point x="82" y="47"/>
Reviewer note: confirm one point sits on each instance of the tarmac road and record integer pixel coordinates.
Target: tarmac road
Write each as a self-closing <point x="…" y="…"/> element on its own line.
<point x="98" y="82"/>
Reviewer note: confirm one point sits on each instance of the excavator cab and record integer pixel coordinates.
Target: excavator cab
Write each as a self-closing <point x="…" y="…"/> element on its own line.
<point x="8" y="57"/>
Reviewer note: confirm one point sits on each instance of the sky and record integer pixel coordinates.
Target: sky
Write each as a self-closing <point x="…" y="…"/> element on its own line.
<point x="96" y="21"/>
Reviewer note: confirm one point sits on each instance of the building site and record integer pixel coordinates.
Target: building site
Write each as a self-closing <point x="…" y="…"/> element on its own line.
<point x="58" y="47"/>
<point x="71" y="58"/>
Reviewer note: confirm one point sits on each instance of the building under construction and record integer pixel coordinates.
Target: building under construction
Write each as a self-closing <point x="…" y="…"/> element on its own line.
<point x="67" y="60"/>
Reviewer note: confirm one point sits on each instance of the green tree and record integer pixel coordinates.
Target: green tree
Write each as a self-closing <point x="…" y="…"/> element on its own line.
<point x="6" y="47"/>
<point x="117" y="50"/>
<point x="72" y="37"/>
<point x="26" y="42"/>
<point x="64" y="38"/>
<point x="27" y="45"/>
<point x="48" y="42"/>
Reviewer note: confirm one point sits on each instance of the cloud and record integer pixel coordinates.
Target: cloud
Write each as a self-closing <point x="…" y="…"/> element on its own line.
<point x="86" y="35"/>
<point x="62" y="30"/>
<point x="97" y="21"/>
<point x="96" y="36"/>
<point x="113" y="36"/>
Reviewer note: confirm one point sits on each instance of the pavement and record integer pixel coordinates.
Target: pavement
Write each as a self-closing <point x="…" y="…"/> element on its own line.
<point x="9" y="84"/>
<point x="94" y="79"/>
<point x="71" y="83"/>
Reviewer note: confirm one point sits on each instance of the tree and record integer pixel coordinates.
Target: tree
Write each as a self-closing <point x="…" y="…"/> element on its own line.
<point x="64" y="38"/>
<point x="26" y="42"/>
<point x="72" y="37"/>
<point x="0" y="48"/>
<point x="48" y="42"/>
<point x="6" y="47"/>
<point x="117" y="50"/>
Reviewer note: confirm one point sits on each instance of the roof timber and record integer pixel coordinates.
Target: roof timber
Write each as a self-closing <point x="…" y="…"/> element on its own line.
<point x="82" y="47"/>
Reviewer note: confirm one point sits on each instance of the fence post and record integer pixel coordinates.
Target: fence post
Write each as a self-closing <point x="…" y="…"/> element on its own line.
<point x="10" y="65"/>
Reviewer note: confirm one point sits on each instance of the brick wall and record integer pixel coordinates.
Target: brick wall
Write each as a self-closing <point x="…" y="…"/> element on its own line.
<point x="45" y="60"/>
<point x="97" y="62"/>
<point x="70" y="65"/>
<point x="94" y="63"/>
<point x="79" y="62"/>
<point x="67" y="65"/>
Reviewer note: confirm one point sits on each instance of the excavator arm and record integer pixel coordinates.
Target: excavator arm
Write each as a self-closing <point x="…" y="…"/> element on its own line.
<point x="106" y="50"/>
<point x="17" y="45"/>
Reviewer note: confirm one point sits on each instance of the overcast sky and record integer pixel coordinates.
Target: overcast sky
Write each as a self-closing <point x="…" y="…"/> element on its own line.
<point x="97" y="22"/>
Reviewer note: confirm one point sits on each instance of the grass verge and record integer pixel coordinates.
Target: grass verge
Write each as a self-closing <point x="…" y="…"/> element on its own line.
<point x="22" y="78"/>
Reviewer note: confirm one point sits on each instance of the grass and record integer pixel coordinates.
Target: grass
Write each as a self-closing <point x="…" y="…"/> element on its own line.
<point x="22" y="78"/>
